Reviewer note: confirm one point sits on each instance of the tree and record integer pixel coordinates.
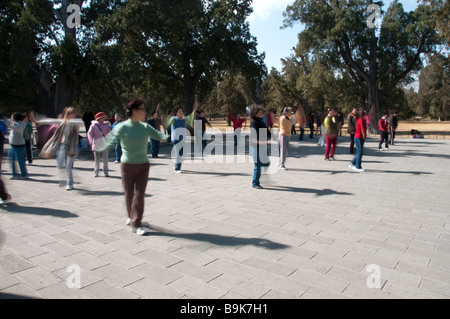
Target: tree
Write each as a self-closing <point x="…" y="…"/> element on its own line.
<point x="190" y="43"/>
<point x="442" y="15"/>
<point x="434" y="95"/>
<point x="339" y="31"/>
<point x="54" y="54"/>
<point x="20" y="22"/>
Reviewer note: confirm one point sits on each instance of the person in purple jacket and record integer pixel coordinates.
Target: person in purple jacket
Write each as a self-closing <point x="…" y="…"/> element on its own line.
<point x="98" y="130"/>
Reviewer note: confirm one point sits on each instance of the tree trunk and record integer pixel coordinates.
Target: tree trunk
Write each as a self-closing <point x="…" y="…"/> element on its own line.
<point x="64" y="92"/>
<point x="372" y="84"/>
<point x="189" y="92"/>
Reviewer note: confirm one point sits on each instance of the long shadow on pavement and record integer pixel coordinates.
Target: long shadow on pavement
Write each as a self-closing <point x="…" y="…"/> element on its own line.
<point x="317" y="192"/>
<point x="218" y="240"/>
<point x="41" y="211"/>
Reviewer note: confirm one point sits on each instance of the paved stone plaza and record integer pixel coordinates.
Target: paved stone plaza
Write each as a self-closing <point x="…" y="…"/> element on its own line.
<point x="318" y="230"/>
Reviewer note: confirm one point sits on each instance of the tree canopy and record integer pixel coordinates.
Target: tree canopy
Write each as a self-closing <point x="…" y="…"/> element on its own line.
<point x="181" y="51"/>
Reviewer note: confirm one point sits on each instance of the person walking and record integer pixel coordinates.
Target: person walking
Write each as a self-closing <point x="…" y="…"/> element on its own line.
<point x="135" y="167"/>
<point x="360" y="138"/>
<point x="17" y="150"/>
<point x="259" y="139"/>
<point x="99" y="129"/>
<point x="178" y="125"/>
<point x="331" y="132"/>
<point x="63" y="144"/>
<point x="285" y="135"/>
<point x="383" y="127"/>
<point x="351" y="123"/>
<point x="393" y="125"/>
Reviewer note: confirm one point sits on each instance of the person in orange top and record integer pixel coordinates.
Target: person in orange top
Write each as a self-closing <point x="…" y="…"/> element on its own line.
<point x="285" y="135"/>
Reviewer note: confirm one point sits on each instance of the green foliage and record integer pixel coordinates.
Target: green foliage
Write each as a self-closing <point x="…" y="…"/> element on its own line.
<point x="339" y="47"/>
<point x="434" y="95"/>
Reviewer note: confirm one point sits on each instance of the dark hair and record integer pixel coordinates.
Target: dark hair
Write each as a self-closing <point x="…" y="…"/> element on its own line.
<point x="133" y="105"/>
<point x="177" y="108"/>
<point x="362" y="113"/>
<point x="17" y="117"/>
<point x="255" y="109"/>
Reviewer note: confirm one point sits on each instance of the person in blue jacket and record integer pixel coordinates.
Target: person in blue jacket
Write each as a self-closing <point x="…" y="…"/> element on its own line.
<point x="178" y="125"/>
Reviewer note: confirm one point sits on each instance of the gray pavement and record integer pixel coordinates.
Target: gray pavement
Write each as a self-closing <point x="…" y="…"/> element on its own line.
<point x="318" y="230"/>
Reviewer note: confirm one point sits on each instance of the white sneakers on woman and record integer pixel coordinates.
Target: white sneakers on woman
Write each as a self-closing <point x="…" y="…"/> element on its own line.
<point x="139" y="231"/>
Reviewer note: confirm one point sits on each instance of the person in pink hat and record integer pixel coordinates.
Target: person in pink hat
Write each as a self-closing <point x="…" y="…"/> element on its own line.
<point x="98" y="130"/>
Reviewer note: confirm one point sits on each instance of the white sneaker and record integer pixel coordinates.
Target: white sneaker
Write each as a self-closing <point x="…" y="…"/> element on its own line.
<point x="69" y="188"/>
<point x="351" y="166"/>
<point x="361" y="170"/>
<point x="178" y="172"/>
<point x="139" y="231"/>
<point x="128" y="222"/>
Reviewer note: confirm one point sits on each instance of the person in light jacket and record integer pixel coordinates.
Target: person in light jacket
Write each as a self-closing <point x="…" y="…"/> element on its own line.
<point x="99" y="129"/>
<point x="17" y="150"/>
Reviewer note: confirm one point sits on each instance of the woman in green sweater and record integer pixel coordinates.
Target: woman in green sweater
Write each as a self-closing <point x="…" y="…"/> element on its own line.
<point x="135" y="167"/>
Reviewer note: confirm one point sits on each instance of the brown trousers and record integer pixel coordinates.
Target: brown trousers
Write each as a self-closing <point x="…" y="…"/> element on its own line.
<point x="134" y="181"/>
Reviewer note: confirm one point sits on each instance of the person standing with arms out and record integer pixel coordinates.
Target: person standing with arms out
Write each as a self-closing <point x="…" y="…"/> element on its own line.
<point x="285" y="135"/>
<point x="331" y="132"/>
<point x="259" y="139"/>
<point x="99" y="129"/>
<point x="135" y="167"/>
<point x="155" y="122"/>
<point x="360" y="138"/>
<point x="393" y="125"/>
<point x="178" y="125"/>
<point x="351" y="120"/>
<point x="383" y="127"/>
<point x="118" y="148"/>
<point x="64" y="143"/>
<point x="17" y="142"/>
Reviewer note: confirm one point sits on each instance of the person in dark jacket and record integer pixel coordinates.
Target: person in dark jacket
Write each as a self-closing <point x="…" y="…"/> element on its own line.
<point x="88" y="117"/>
<point x="155" y="122"/>
<point x="351" y="120"/>
<point x="393" y="125"/>
<point x="259" y="139"/>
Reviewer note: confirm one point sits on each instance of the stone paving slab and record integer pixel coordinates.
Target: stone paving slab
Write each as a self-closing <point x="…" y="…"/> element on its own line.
<point x="312" y="232"/>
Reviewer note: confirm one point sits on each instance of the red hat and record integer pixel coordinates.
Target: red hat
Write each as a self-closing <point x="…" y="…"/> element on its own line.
<point x="99" y="115"/>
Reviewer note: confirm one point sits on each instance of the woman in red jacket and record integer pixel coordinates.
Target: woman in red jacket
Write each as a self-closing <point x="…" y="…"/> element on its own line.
<point x="383" y="127"/>
<point x="360" y="138"/>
